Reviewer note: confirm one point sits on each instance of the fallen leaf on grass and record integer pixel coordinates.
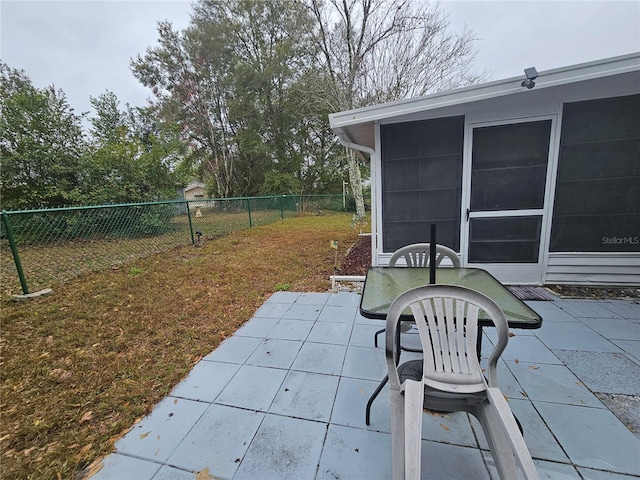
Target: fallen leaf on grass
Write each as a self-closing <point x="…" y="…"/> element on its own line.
<point x="28" y="451"/>
<point x="84" y="450"/>
<point x="86" y="417"/>
<point x="94" y="468"/>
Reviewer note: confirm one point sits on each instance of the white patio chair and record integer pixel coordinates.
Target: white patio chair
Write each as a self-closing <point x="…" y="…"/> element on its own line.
<point x="417" y="255"/>
<point x="449" y="377"/>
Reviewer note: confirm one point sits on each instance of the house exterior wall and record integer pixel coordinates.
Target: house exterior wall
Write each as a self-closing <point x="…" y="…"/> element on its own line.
<point x="530" y="105"/>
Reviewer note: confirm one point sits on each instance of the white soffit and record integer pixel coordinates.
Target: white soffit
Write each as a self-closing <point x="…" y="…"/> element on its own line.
<point x="358" y="123"/>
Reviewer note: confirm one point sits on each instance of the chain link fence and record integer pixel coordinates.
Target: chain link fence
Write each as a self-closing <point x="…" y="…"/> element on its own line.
<point x="40" y="248"/>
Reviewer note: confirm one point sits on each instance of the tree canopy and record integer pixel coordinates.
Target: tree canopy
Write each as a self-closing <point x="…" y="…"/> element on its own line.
<point x="239" y="99"/>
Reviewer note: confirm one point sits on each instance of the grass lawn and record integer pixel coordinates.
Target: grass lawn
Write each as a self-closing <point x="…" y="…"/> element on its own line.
<point x="79" y="367"/>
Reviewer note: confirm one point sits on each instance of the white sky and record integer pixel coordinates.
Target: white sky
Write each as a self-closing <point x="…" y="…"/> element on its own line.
<point x="84" y="47"/>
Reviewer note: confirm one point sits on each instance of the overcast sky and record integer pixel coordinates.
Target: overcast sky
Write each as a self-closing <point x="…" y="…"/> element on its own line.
<point x="84" y="47"/>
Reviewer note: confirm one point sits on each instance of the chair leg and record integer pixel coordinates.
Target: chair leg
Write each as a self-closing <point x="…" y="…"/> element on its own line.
<point x="497" y="439"/>
<point x="375" y="337"/>
<point x="373" y="397"/>
<point x="510" y="427"/>
<point x="397" y="434"/>
<point x="414" y="399"/>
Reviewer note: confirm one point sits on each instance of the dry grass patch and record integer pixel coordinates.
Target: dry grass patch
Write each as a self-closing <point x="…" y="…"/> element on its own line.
<point x="79" y="367"/>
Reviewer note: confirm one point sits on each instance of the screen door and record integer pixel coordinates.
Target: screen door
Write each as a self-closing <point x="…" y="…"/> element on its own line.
<point x="506" y="203"/>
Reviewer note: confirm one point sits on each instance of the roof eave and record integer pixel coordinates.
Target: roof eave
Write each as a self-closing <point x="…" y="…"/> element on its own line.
<point x="341" y="121"/>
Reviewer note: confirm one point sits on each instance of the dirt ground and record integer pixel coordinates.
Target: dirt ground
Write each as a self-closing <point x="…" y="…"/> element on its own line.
<point x="358" y="260"/>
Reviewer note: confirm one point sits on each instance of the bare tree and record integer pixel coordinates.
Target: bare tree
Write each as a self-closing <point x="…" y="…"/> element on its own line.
<point x="373" y="51"/>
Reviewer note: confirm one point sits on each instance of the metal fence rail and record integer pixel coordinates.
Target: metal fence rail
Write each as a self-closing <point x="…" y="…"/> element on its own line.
<point x="40" y="248"/>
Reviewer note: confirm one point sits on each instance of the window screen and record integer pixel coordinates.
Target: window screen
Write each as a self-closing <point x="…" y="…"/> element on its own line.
<point x="505" y="239"/>
<point x="422" y="181"/>
<point x="597" y="200"/>
<point x="509" y="167"/>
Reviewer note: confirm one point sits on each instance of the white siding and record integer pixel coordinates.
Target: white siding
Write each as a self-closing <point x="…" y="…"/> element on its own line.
<point x="593" y="268"/>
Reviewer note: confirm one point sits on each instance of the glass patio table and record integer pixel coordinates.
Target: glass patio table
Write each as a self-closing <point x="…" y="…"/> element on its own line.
<point x="383" y="285"/>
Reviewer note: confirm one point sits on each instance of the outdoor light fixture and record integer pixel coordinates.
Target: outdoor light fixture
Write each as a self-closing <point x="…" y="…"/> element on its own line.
<point x="531" y="74"/>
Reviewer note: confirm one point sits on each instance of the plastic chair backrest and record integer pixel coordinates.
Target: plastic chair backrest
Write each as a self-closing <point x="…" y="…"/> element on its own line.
<point x="447" y="320"/>
<point x="417" y="255"/>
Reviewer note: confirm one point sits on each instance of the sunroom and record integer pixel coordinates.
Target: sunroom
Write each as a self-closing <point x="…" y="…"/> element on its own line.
<point x="535" y="178"/>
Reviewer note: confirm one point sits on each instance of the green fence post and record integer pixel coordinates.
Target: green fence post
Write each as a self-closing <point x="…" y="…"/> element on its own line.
<point x="193" y="241"/>
<point x="14" y="251"/>
<point x="249" y="210"/>
<point x="281" y="208"/>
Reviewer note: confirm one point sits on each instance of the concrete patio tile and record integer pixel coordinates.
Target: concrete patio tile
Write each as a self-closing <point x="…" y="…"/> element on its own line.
<point x="272" y="309"/>
<point x="333" y="313"/>
<point x="157" y="435"/>
<point x="585" y="308"/>
<point x="614" y="328"/>
<point x="507" y="383"/>
<point x="283" y="448"/>
<point x="590" y="474"/>
<point x="537" y="436"/>
<point x="275" y="353"/>
<point x="443" y="461"/>
<point x="205" y="381"/>
<point x="313" y="298"/>
<point x="234" y="350"/>
<point x="629" y="309"/>
<point x="320" y="358"/>
<point x="253" y="388"/>
<point x="343" y="299"/>
<point x="256" y="327"/>
<point x="123" y="467"/>
<point x="365" y="363"/>
<point x="218" y="441"/>
<point x="283" y="297"/>
<point x="550" y="312"/>
<point x="291" y="330"/>
<point x="602" y="371"/>
<point x="351" y="401"/>
<point x="546" y="470"/>
<point x="171" y="473"/>
<point x="552" y="383"/>
<point x="574" y="336"/>
<point x="353" y="453"/>
<point x="302" y="312"/>
<point x="528" y="349"/>
<point x="592" y="437"/>
<point x="453" y="428"/>
<point x="329" y="332"/>
<point x="363" y="335"/>
<point x="630" y="347"/>
<point x="306" y="395"/>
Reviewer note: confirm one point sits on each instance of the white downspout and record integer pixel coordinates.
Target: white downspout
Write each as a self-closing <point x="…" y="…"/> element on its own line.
<point x="374" y="232"/>
<point x="355" y="146"/>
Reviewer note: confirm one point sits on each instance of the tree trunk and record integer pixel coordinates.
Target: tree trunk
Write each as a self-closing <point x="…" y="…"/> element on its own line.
<point x="355" y="179"/>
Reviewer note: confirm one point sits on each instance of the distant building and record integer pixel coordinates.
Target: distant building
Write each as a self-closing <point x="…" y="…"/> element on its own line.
<point x="195" y="191"/>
